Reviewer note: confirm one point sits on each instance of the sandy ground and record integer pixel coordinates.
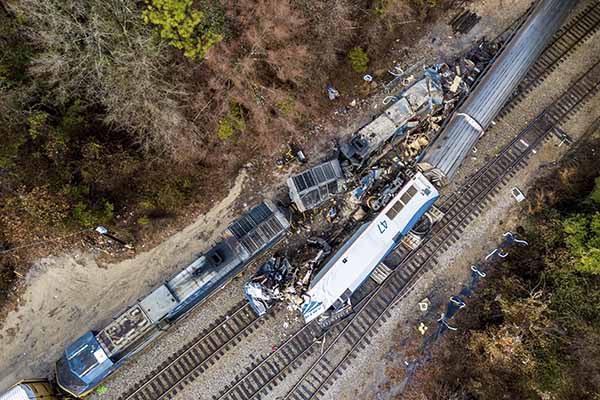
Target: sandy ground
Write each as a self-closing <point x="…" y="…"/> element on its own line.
<point x="70" y="294"/>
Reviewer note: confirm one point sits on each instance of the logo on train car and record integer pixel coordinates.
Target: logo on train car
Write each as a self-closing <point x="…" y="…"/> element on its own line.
<point x="312" y="309"/>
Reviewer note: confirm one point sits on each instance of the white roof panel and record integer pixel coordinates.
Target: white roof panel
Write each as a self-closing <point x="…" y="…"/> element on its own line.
<point x="400" y="112"/>
<point x="378" y="131"/>
<point x="16" y="393"/>
<point x="360" y="255"/>
<point x="158" y="303"/>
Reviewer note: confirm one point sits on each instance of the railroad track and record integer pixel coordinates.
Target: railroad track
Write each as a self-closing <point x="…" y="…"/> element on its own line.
<point x="569" y="38"/>
<point x="351" y="335"/>
<point x="203" y="351"/>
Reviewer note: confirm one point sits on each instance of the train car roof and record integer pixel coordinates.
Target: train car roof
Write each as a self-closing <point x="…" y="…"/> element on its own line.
<point x="312" y="187"/>
<point x="83" y="365"/>
<point x="18" y="392"/>
<point x="259" y="227"/>
<point x="357" y="258"/>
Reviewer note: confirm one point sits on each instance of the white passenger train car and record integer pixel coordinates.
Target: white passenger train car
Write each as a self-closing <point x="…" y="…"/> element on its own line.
<point x="370" y="244"/>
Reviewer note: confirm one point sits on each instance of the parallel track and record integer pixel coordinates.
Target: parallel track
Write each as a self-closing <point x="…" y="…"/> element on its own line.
<point x="352" y="335"/>
<point x="197" y="356"/>
<point x="568" y="39"/>
<point x="187" y="364"/>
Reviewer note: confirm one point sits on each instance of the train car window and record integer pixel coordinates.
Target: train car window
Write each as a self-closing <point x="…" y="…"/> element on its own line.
<point x="395" y="209"/>
<point x="408" y="195"/>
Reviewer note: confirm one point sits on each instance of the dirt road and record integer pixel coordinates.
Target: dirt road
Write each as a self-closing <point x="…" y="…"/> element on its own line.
<point x="69" y="294"/>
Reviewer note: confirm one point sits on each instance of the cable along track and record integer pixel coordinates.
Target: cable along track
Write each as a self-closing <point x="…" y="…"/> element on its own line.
<point x="340" y="345"/>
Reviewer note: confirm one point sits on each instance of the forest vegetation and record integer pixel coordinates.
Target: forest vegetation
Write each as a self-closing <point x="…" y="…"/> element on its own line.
<point x="130" y="113"/>
<point x="533" y="330"/>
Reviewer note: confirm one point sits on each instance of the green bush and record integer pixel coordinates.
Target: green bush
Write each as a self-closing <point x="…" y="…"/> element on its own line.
<point x="595" y="195"/>
<point x="582" y="237"/>
<point x="358" y="59"/>
<point x="185" y="28"/>
<point x="87" y="216"/>
<point x="231" y="123"/>
<point x="101" y="390"/>
<point x="37" y="123"/>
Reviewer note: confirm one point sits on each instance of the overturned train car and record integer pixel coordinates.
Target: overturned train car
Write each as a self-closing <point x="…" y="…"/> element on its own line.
<point x="352" y="264"/>
<point x="95" y="355"/>
<point x="470" y="121"/>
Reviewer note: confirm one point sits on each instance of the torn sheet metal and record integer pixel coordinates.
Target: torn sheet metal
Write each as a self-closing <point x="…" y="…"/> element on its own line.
<point x="365" y="183"/>
<point x="267" y="285"/>
<point x="421" y="99"/>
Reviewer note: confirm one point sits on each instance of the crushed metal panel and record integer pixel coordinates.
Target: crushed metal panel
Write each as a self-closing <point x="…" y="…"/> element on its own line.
<point x="400" y="112"/>
<point x="311" y="188"/>
<point x="18" y="392"/>
<point x="158" y="303"/>
<point x="375" y="133"/>
<point x="424" y="92"/>
<point x="381" y="129"/>
<point x="418" y="94"/>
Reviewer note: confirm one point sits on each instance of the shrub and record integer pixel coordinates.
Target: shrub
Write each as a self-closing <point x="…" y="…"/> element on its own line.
<point x="37" y="122"/>
<point x="101" y="390"/>
<point x="233" y="122"/>
<point x="582" y="237"/>
<point x="358" y="59"/>
<point x="88" y="217"/>
<point x="185" y="28"/>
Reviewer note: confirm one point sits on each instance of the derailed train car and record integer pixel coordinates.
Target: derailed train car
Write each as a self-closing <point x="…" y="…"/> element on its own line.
<point x="420" y="99"/>
<point x="352" y="264"/>
<point x="333" y="286"/>
<point x="95" y="355"/>
<point x="468" y="124"/>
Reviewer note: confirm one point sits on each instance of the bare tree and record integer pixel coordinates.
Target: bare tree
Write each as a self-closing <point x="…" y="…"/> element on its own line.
<point x="101" y="50"/>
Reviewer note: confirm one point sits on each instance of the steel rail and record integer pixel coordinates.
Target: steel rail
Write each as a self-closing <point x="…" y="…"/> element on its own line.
<point x="406" y="289"/>
<point x="523" y="89"/>
<point x="585" y="24"/>
<point x="161" y="382"/>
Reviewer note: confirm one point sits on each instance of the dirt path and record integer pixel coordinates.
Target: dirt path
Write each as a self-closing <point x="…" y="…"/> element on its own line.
<point x="69" y="294"/>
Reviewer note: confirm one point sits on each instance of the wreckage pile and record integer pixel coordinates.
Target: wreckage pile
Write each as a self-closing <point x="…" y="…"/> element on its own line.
<point x="276" y="280"/>
<point x="373" y="165"/>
